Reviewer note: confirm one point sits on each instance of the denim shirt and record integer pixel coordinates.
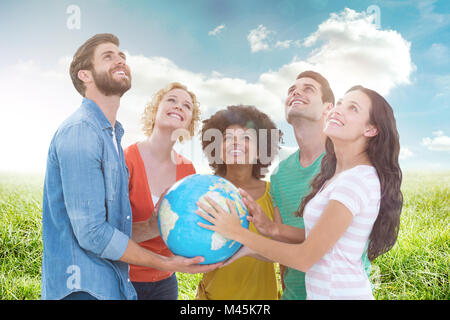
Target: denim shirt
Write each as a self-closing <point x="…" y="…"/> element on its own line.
<point x="86" y="218"/>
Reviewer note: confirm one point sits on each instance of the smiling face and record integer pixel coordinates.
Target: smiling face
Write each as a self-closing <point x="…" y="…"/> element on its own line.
<point x="110" y="72"/>
<point x="304" y="100"/>
<point x="175" y="110"/>
<point x="239" y="145"/>
<point x="350" y="118"/>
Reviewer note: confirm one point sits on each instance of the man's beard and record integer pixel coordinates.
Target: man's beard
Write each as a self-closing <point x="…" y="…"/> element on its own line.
<point x="109" y="86"/>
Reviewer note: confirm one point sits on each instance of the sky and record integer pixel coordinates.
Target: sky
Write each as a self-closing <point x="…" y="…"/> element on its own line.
<point x="228" y="52"/>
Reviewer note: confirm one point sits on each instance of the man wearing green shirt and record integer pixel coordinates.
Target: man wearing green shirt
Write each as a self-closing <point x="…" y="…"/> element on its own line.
<point x="308" y="100"/>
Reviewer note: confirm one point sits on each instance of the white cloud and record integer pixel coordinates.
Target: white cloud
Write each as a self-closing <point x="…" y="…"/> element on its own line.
<point x="439" y="142"/>
<point x="259" y="38"/>
<point x="438" y="53"/>
<point x="429" y="20"/>
<point x="262" y="39"/>
<point x="283" y="153"/>
<point x="217" y="30"/>
<point x="348" y="49"/>
<point x="283" y="44"/>
<point x="34" y="102"/>
<point x="405" y="153"/>
<point x="351" y="51"/>
<point x="442" y="83"/>
<point x="213" y="91"/>
<point x="38" y="99"/>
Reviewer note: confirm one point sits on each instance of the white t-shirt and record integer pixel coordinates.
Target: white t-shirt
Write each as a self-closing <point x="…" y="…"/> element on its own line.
<point x="115" y="141"/>
<point x="155" y="199"/>
<point x="340" y="274"/>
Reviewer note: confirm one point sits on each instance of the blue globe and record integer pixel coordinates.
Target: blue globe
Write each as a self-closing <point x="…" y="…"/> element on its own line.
<point x="177" y="220"/>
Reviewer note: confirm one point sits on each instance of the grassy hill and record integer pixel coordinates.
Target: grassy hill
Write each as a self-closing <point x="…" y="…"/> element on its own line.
<point x="416" y="268"/>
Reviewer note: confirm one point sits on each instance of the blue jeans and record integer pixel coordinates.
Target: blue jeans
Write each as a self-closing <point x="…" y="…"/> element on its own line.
<point x="166" y="289"/>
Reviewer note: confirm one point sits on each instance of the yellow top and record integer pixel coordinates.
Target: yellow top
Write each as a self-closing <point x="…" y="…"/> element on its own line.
<point x="246" y="278"/>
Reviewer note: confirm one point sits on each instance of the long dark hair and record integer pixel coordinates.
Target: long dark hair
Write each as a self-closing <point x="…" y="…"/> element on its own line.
<point x="383" y="151"/>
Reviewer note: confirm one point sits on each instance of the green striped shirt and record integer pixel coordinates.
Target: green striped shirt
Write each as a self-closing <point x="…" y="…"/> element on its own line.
<point x="289" y="184"/>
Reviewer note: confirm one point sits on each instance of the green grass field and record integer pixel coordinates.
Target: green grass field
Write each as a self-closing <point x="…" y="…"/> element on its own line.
<point x="416" y="268"/>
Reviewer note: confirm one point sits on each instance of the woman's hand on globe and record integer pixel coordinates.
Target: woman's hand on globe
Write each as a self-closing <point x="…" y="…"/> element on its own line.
<point x="228" y="225"/>
<point x="256" y="215"/>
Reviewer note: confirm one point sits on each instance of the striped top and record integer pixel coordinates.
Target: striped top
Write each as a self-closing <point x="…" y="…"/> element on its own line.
<point x="340" y="274"/>
<point x="289" y="184"/>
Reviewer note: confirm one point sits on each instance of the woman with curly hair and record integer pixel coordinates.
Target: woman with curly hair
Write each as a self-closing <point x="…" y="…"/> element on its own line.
<point x="355" y="202"/>
<point x="248" y="141"/>
<point x="153" y="167"/>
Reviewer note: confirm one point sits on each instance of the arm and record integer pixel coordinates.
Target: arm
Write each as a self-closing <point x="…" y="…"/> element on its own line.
<point x="333" y="223"/>
<point x="277" y="216"/>
<point x="145" y="230"/>
<point x="273" y="229"/>
<point x="79" y="152"/>
<point x="135" y="254"/>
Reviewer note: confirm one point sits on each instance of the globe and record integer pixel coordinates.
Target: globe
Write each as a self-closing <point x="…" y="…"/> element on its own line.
<point x="178" y="222"/>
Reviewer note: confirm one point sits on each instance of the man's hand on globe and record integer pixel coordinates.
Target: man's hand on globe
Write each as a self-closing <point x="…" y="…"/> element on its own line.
<point x="191" y="265"/>
<point x="179" y="225"/>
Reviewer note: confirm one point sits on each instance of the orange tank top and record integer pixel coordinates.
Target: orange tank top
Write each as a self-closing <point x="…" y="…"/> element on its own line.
<point x="142" y="206"/>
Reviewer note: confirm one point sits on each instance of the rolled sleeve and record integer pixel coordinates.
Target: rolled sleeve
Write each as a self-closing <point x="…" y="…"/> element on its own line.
<point x="116" y="246"/>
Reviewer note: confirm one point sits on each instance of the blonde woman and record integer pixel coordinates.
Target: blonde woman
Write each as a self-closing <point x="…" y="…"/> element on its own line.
<point x="153" y="167"/>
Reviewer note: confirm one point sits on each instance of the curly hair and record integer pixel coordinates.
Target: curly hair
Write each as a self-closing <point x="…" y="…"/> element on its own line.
<point x="149" y="115"/>
<point x="247" y="117"/>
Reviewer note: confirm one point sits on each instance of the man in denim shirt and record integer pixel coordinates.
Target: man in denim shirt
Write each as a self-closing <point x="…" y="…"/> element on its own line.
<point x="87" y="220"/>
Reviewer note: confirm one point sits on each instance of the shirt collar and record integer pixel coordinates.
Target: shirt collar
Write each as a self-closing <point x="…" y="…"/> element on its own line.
<point x="100" y="117"/>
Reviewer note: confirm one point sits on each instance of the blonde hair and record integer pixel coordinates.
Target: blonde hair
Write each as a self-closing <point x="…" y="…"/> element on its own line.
<point x="149" y="115"/>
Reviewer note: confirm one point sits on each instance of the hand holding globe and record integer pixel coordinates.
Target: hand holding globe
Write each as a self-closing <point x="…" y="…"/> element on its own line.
<point x="178" y="222"/>
<point x="230" y="223"/>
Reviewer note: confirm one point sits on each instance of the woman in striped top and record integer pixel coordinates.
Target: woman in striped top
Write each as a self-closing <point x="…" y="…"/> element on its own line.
<point x="354" y="204"/>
